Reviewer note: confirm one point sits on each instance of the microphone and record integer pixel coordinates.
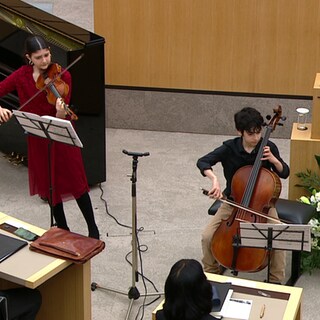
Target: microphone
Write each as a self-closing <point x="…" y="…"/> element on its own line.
<point x="136" y="154"/>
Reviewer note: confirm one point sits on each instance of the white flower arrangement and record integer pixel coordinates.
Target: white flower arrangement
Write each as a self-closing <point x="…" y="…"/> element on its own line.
<point x="314" y="200"/>
<point x="310" y="181"/>
<point x="311" y="260"/>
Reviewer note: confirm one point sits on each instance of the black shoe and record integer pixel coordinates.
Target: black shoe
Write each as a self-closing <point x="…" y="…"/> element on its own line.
<point x="94" y="234"/>
<point x="222" y="270"/>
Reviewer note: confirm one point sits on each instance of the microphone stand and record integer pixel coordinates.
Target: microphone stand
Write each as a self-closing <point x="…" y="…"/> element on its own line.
<point x="133" y="293"/>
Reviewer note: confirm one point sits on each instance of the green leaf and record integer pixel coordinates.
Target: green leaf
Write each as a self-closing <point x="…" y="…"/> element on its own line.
<point x="318" y="160"/>
<point x="310" y="260"/>
<point x="309" y="180"/>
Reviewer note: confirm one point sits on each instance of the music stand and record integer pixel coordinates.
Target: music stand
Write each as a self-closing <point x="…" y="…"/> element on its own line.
<point x="275" y="236"/>
<point x="53" y="129"/>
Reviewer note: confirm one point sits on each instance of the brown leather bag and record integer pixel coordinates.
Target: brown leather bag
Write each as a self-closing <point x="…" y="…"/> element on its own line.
<point x="68" y="245"/>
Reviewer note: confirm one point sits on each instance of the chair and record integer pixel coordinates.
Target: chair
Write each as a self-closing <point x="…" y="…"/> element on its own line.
<point x="3" y="308"/>
<point x="294" y="212"/>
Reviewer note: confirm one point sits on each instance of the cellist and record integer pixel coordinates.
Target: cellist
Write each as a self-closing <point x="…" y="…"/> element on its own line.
<point x="234" y="154"/>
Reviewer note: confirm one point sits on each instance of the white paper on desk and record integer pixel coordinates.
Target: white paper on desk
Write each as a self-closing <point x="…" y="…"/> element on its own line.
<point x="224" y="306"/>
<point x="238" y="309"/>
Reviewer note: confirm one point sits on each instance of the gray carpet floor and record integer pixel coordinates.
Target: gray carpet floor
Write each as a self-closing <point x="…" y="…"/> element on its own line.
<point x="171" y="213"/>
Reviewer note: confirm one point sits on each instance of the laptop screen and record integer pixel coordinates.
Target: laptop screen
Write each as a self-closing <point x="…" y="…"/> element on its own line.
<point x="9" y="246"/>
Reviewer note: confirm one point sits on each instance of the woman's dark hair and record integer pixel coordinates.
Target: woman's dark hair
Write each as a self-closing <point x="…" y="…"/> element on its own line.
<point x="35" y="43"/>
<point x="248" y="119"/>
<point x="188" y="293"/>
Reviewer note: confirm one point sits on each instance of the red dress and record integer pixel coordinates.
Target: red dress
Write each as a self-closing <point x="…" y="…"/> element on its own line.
<point x="67" y="171"/>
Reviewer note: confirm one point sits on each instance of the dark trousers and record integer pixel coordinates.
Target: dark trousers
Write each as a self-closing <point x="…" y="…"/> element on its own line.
<point x="22" y="303"/>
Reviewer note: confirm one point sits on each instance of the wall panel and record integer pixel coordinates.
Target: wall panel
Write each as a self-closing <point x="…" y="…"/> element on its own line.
<point x="265" y="46"/>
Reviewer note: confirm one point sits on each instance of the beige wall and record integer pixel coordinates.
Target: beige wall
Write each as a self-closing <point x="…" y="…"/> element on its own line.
<point x="256" y="46"/>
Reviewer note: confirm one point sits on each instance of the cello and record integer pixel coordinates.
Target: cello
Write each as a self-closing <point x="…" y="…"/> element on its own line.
<point x="252" y="187"/>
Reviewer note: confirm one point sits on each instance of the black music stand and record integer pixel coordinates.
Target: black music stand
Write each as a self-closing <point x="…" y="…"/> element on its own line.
<point x="271" y="236"/>
<point x="133" y="293"/>
<point x="53" y="129"/>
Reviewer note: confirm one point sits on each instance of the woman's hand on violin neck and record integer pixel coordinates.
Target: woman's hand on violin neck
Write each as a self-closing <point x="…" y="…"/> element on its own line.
<point x="5" y="115"/>
<point x="60" y="107"/>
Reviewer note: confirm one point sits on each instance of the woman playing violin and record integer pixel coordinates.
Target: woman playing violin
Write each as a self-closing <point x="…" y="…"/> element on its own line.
<point x="234" y="154"/>
<point x="68" y="174"/>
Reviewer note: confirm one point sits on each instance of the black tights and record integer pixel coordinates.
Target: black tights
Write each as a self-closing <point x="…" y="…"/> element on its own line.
<point x="84" y="203"/>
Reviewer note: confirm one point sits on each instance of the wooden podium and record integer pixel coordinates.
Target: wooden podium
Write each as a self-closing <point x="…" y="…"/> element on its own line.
<point x="305" y="144"/>
<point x="64" y="286"/>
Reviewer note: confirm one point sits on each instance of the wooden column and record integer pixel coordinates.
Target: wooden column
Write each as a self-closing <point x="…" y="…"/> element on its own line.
<point x="302" y="151"/>
<point x="315" y="133"/>
<point x="305" y="144"/>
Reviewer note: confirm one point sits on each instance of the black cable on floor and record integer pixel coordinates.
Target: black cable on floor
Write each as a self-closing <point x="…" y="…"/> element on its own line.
<point x="141" y="248"/>
<point x="107" y="210"/>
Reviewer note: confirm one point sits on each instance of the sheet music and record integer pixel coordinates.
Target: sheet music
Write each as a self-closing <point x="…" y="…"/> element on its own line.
<point x="284" y="236"/>
<point x="56" y="129"/>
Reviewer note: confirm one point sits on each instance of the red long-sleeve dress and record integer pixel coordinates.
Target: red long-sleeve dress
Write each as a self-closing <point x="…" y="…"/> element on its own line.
<point x="67" y="169"/>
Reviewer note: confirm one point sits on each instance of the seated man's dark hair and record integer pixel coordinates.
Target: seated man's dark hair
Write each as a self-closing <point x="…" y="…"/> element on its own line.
<point x="248" y="119"/>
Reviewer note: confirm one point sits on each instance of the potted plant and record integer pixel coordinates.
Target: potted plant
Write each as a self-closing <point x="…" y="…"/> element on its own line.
<point x="310" y="181"/>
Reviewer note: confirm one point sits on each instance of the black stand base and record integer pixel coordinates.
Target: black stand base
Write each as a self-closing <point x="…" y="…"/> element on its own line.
<point x="133" y="295"/>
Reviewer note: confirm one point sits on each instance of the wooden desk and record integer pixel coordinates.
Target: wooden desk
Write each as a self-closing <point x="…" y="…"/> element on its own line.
<point x="293" y="303"/>
<point x="65" y="287"/>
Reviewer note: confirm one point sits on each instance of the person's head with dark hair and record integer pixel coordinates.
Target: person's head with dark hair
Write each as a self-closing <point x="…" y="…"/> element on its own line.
<point x="248" y="119"/>
<point x="35" y="43"/>
<point x="36" y="46"/>
<point x="188" y="293"/>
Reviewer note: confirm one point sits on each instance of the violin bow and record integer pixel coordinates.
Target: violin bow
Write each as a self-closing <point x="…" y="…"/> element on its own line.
<point x="239" y="206"/>
<point x="51" y="81"/>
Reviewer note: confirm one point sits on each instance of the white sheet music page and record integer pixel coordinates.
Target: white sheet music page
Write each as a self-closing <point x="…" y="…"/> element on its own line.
<point x="56" y="129"/>
<point x="283" y="236"/>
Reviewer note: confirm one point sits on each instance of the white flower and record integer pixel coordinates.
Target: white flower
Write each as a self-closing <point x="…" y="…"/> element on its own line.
<point x="315" y="233"/>
<point x="317" y="196"/>
<point x="314" y="200"/>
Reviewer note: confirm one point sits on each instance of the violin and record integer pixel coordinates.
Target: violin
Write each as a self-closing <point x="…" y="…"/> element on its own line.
<point x="45" y="86"/>
<point x="55" y="87"/>
<point x="253" y="187"/>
